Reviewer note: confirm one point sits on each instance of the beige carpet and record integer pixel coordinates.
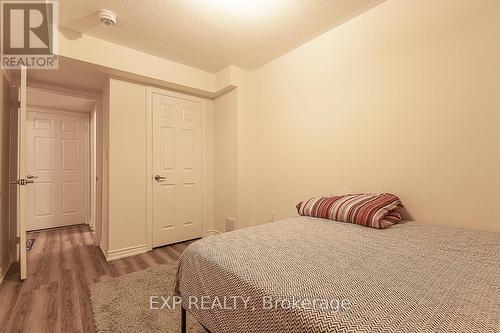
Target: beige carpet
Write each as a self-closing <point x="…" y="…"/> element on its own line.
<point x="122" y="304"/>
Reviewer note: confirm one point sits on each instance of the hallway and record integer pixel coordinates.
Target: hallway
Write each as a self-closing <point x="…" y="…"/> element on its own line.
<point x="62" y="264"/>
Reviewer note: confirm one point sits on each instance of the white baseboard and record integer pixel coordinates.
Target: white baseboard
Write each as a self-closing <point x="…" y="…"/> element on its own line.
<point x="126" y="252"/>
<point x="4" y="270"/>
<point x="91" y="224"/>
<point x="104" y="250"/>
<point x="212" y="232"/>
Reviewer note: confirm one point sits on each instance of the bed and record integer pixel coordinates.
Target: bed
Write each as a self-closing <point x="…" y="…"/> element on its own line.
<point x="407" y="278"/>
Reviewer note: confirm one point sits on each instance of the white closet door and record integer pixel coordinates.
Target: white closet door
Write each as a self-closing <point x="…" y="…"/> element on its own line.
<point x="177" y="149"/>
<point x="56" y="161"/>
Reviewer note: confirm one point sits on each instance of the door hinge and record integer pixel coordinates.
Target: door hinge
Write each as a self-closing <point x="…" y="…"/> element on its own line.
<point x="16" y="104"/>
<point x="18" y="239"/>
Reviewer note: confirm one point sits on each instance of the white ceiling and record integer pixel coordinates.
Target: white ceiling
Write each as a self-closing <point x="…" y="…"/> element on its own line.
<point x="212" y="34"/>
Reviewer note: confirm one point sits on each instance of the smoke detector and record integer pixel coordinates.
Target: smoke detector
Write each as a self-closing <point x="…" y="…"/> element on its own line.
<point x="107" y="17"/>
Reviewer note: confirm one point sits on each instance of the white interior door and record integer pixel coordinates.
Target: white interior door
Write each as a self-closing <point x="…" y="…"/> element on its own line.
<point x="177" y="173"/>
<point x="21" y="165"/>
<point x="56" y="161"/>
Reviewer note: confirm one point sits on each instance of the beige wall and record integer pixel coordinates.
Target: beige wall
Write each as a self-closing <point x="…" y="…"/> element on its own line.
<point x="225" y="159"/>
<point x="127" y="166"/>
<point x="104" y="241"/>
<point x="4" y="173"/>
<point x="248" y="142"/>
<point x="404" y="98"/>
<point x="83" y="47"/>
<point x="235" y="127"/>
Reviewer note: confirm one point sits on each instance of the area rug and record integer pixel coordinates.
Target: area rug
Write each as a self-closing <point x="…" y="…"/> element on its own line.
<point x="29" y="243"/>
<point x="122" y="304"/>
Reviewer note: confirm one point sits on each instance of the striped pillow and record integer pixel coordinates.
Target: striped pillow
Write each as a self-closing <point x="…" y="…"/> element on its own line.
<point x="371" y="210"/>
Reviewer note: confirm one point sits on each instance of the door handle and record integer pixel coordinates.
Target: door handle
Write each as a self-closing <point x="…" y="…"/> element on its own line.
<point x="159" y="178"/>
<point x="23" y="181"/>
<point x="31" y="177"/>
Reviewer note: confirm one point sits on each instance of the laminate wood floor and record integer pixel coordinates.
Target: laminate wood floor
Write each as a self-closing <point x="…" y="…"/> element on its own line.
<point x="62" y="265"/>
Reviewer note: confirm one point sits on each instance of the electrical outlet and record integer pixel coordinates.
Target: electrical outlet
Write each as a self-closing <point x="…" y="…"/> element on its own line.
<point x="272" y="214"/>
<point x="229" y="221"/>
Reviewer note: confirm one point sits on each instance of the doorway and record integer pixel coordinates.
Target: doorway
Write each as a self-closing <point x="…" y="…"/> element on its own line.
<point x="55" y="160"/>
<point x="58" y="161"/>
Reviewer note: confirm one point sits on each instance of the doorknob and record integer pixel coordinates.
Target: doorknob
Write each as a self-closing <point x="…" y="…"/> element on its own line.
<point x="31" y="177"/>
<point x="159" y="178"/>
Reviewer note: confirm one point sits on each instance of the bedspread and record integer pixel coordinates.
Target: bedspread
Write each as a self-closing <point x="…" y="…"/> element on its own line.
<point x="306" y="274"/>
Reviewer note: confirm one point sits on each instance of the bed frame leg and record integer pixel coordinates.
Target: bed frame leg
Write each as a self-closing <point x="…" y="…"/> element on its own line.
<point x="183" y="320"/>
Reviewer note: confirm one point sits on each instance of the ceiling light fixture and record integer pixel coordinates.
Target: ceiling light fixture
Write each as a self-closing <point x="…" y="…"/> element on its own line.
<point x="107" y="17"/>
<point x="247" y="7"/>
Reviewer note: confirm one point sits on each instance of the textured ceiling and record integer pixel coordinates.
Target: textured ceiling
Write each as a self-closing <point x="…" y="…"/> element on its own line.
<point x="212" y="34"/>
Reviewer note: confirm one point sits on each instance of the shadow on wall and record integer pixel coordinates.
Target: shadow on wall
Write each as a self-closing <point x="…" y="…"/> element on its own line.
<point x="79" y="26"/>
<point x="406" y="215"/>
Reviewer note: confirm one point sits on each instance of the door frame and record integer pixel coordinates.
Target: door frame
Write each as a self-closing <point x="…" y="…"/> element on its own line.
<point x="96" y="151"/>
<point x="87" y="153"/>
<point x="96" y="157"/>
<point x="206" y="158"/>
<point x="21" y="166"/>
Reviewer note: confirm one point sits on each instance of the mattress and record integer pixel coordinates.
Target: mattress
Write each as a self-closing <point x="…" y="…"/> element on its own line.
<point x="305" y="274"/>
